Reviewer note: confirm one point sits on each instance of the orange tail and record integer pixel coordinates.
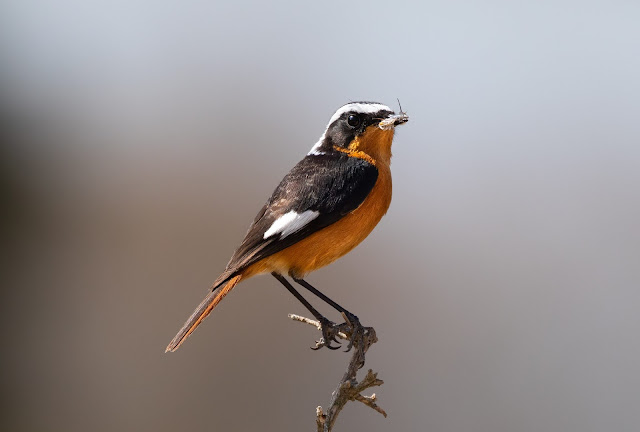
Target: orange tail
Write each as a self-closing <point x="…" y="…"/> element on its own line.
<point x="201" y="312"/>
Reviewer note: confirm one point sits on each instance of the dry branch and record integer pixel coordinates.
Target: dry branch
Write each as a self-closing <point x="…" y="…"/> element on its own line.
<point x="349" y="388"/>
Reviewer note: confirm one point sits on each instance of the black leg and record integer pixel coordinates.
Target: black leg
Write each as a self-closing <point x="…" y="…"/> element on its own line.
<point x="297" y="295"/>
<point x="326" y="299"/>
<point x="328" y="328"/>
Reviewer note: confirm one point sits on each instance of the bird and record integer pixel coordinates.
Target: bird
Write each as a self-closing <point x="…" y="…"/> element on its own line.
<point x="324" y="207"/>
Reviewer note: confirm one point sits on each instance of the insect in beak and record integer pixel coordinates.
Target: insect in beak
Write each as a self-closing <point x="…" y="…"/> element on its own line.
<point x="393" y="120"/>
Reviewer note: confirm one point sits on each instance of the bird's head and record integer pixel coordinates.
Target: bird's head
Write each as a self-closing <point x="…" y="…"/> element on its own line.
<point x="364" y="127"/>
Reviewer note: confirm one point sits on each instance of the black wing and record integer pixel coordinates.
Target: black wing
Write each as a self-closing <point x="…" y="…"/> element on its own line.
<point x="332" y="184"/>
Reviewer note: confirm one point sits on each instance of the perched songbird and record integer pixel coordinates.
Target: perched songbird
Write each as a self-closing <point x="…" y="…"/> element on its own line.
<point x="324" y="207"/>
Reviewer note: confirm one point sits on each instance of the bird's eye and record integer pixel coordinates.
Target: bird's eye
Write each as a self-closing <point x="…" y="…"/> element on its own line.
<point x="353" y="120"/>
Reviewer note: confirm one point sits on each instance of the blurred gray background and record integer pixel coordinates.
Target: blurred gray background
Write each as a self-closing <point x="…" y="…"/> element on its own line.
<point x="141" y="137"/>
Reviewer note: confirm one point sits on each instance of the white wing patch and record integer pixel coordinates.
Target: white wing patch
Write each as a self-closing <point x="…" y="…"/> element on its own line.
<point x="290" y="223"/>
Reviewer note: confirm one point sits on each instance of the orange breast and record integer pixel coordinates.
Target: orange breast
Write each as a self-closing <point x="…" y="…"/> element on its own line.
<point x="327" y="245"/>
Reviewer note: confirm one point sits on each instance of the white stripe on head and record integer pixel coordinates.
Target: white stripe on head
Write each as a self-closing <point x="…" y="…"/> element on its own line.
<point x="290" y="222"/>
<point x="359" y="107"/>
<point x="363" y="108"/>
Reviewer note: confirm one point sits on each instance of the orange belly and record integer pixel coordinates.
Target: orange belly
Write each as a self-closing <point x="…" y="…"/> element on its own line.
<point x="327" y="245"/>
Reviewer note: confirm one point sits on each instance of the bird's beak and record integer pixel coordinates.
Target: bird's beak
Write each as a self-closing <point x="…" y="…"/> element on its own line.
<point x="393" y="120"/>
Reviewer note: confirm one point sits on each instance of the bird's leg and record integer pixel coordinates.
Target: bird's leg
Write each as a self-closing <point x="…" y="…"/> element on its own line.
<point x="328" y="328"/>
<point x="351" y="321"/>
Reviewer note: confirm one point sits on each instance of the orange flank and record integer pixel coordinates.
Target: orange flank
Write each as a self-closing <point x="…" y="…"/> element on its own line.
<point x="327" y="245"/>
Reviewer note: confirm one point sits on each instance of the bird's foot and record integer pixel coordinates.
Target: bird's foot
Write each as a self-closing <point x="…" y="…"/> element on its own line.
<point x="350" y="330"/>
<point x="329" y="332"/>
<point x="353" y="329"/>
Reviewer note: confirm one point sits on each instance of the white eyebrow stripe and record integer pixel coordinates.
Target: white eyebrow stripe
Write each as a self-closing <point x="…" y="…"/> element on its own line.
<point x="290" y="222"/>
<point x="364" y="108"/>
